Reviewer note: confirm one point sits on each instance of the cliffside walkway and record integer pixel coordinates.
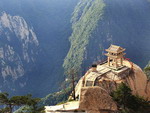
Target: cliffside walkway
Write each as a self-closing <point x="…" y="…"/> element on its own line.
<point x="92" y="76"/>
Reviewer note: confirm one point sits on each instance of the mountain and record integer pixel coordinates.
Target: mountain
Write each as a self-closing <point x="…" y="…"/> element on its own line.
<point x="94" y="91"/>
<point x="98" y="23"/>
<point x="43" y="39"/>
<point x="18" y="50"/>
<point x="50" y="22"/>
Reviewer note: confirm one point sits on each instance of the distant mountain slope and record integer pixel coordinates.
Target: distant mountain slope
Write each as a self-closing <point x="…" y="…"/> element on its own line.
<point x="50" y="20"/>
<point x="85" y="19"/>
<point x="98" y="23"/>
<point x="34" y="39"/>
<point x="18" y="50"/>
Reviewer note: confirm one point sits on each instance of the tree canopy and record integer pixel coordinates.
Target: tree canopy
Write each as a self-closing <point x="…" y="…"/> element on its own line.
<point x="10" y="102"/>
<point x="129" y="103"/>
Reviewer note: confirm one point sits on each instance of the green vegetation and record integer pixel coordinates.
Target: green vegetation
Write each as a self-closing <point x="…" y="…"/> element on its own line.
<point x="147" y="70"/>
<point x="10" y="102"/>
<point x="51" y="99"/>
<point x="37" y="106"/>
<point x="85" y="19"/>
<point x="55" y="98"/>
<point x="128" y="103"/>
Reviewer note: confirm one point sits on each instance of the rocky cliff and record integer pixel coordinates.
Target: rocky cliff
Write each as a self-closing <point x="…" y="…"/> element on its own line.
<point x="94" y="89"/>
<point x="109" y="80"/>
<point x="50" y="22"/>
<point x="95" y="25"/>
<point x="96" y="100"/>
<point x="18" y="50"/>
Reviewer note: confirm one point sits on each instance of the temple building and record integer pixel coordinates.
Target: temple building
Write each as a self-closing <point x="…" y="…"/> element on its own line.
<point x="115" y="56"/>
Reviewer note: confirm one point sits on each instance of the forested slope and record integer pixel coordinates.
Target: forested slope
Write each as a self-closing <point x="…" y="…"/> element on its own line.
<point x="98" y="23"/>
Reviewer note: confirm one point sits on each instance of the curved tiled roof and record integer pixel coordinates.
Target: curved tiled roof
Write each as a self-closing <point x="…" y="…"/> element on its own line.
<point x="115" y="49"/>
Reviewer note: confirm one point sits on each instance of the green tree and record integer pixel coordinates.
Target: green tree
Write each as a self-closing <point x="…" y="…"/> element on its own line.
<point x="33" y="103"/>
<point x="10" y="102"/>
<point x="121" y="95"/>
<point x="72" y="79"/>
<point x="4" y="110"/>
<point x="147" y="71"/>
<point x="129" y="103"/>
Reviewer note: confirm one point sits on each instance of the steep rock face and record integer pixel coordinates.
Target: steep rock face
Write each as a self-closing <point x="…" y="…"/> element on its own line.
<point x="18" y="50"/>
<point x="148" y="88"/>
<point x="138" y="81"/>
<point x="96" y="100"/>
<point x="135" y="78"/>
<point x="50" y="20"/>
<point x="98" y="23"/>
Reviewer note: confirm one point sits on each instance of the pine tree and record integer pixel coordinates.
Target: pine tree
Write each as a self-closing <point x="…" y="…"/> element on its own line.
<point x="129" y="103"/>
<point x="10" y="102"/>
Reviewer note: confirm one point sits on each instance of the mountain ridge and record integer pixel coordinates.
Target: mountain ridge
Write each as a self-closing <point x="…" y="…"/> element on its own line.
<point x="95" y="24"/>
<point x="123" y="23"/>
<point x="16" y="56"/>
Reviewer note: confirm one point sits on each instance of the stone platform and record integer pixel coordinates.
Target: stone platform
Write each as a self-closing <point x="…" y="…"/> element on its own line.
<point x="104" y="72"/>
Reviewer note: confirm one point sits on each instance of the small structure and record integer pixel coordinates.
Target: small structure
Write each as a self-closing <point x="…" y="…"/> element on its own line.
<point x="115" y="56"/>
<point x="94" y="68"/>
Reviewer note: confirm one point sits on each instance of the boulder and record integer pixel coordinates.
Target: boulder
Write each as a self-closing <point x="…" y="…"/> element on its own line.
<point x="96" y="100"/>
<point x="135" y="79"/>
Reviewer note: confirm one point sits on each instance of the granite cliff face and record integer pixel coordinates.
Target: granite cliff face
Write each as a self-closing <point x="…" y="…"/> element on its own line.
<point x="18" y="50"/>
<point x="94" y="89"/>
<point x="96" y="100"/>
<point x="132" y="75"/>
<point x="40" y="59"/>
<point x="138" y="81"/>
<point x="95" y="25"/>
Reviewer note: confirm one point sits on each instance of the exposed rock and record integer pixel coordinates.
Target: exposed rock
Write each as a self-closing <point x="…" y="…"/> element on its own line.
<point x="109" y="79"/>
<point x="137" y="80"/>
<point x="18" y="52"/>
<point x="96" y="100"/>
<point x="17" y="48"/>
<point x="94" y="88"/>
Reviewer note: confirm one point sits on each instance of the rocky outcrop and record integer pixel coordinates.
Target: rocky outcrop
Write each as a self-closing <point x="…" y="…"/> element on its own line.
<point x="94" y="88"/>
<point x="18" y="49"/>
<point x="18" y="43"/>
<point x="133" y="76"/>
<point x="148" y="89"/>
<point x="138" y="81"/>
<point x="96" y="100"/>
